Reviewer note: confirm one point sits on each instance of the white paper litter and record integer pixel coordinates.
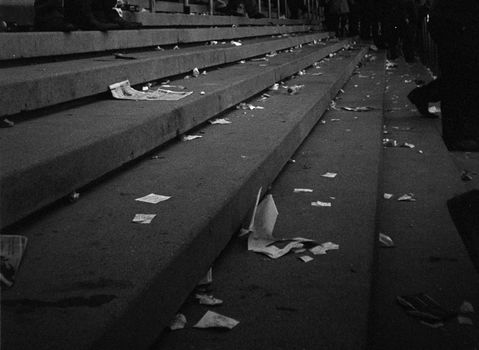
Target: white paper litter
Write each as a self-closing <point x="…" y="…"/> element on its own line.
<point x="178" y="322"/>
<point x="388" y="195"/>
<point x="466" y="307"/>
<point x="143" y="218"/>
<point x="408" y="197"/>
<point x="195" y="72"/>
<point x="306" y="258"/>
<point x="329" y="175"/>
<point x="191" y="137"/>
<point x="434" y="109"/>
<point x="323" y="248"/>
<point x="385" y="240"/>
<point x="124" y="91"/>
<point x="305" y="190"/>
<point x="255" y="209"/>
<point x="220" y="121"/>
<point x="321" y="204"/>
<point x="358" y="109"/>
<point x="235" y="43"/>
<point x="205" y="299"/>
<point x="12" y="249"/>
<point x="153" y="198"/>
<point x="214" y="320"/>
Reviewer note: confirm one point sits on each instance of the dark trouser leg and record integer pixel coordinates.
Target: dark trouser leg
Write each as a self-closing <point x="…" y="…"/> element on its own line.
<point x="49" y="16"/>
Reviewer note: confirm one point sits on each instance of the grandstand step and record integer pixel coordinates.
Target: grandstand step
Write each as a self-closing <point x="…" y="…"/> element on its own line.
<point x="47" y="84"/>
<point x="139" y="275"/>
<point x="46" y="158"/>
<point x="14" y="46"/>
<point x="324" y="304"/>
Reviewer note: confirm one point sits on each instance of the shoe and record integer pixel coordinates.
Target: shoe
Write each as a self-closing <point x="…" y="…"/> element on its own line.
<point x="421" y="105"/>
<point x="112" y="16"/>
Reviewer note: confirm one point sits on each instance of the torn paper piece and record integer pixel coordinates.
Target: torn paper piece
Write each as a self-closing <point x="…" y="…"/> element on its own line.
<point x="317" y="74"/>
<point x="407" y="145"/>
<point x="12" y="249"/>
<point x="195" y="72"/>
<point x="213" y="320"/>
<point x="358" y="109"/>
<point x="265" y="219"/>
<point x="434" y="109"/>
<point x="208" y="279"/>
<point x="205" y="299"/>
<point x="143" y="218"/>
<point x="386" y="241"/>
<point x="179" y="322"/>
<point x="466" y="307"/>
<point x="329" y="175"/>
<point x="464" y="320"/>
<point x="306" y="258"/>
<point x="221" y="121"/>
<point x="255" y="209"/>
<point x="408" y="197"/>
<point x="265" y="246"/>
<point x="191" y="137"/>
<point x="303" y="190"/>
<point x="153" y="198"/>
<point x="321" y="204"/>
<point x="423" y="307"/>
<point x="124" y="91"/>
<point x="390" y="143"/>
<point x="235" y="43"/>
<point x="388" y="196"/>
<point x="323" y="248"/>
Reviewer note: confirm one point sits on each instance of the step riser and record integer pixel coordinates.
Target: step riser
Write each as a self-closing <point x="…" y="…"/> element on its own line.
<point x="139" y="326"/>
<point x="68" y="86"/>
<point x="40" y="44"/>
<point x="33" y="188"/>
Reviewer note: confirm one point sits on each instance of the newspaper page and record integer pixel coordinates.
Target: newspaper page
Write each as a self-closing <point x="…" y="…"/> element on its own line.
<point x="124" y="91"/>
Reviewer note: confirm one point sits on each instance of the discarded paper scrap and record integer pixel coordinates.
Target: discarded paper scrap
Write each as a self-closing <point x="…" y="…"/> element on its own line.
<point x="153" y="198"/>
<point x="303" y="190"/>
<point x="191" y="137"/>
<point x="143" y="218"/>
<point x="124" y="91"/>
<point x="329" y="175"/>
<point x="323" y="248"/>
<point x="358" y="109"/>
<point x="423" y="307"/>
<point x="213" y="320"/>
<point x="206" y="299"/>
<point x="321" y="204"/>
<point x="408" y="197"/>
<point x="221" y="121"/>
<point x="255" y="209"/>
<point x="12" y="248"/>
<point x="306" y="258"/>
<point x="388" y="195"/>
<point x="386" y="241"/>
<point x="434" y="109"/>
<point x="178" y="322"/>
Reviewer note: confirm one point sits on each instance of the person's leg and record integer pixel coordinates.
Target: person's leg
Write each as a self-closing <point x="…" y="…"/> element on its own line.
<point x="423" y="95"/>
<point x="49" y="16"/>
<point x="80" y="13"/>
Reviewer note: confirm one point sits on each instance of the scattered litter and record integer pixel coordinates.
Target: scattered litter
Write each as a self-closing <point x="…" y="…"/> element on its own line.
<point x="235" y="43"/>
<point x="332" y="105"/>
<point x="302" y="72"/>
<point x="317" y="74"/>
<point x="334" y="119"/>
<point x="124" y="91"/>
<point x="202" y="92"/>
<point x="6" y="123"/>
<point x="304" y="190"/>
<point x="408" y="81"/>
<point x="191" y="137"/>
<point x="122" y="56"/>
<point x="306" y="258"/>
<point x="329" y="175"/>
<point x="407" y="145"/>
<point x="272" y="54"/>
<point x="464" y="320"/>
<point x="358" y="109"/>
<point x="467" y="175"/>
<point x="242" y="62"/>
<point x="373" y="47"/>
<point x="466" y="308"/>
<point x="74" y="197"/>
<point x="388" y="195"/>
<point x="206" y="299"/>
<point x="321" y="204"/>
<point x="179" y="322"/>
<point x="213" y="42"/>
<point x="323" y="248"/>
<point x="159" y="48"/>
<point x="12" y="248"/>
<point x="204" y="72"/>
<point x="408" y="197"/>
<point x="423" y="307"/>
<point x="213" y="320"/>
<point x="434" y="109"/>
<point x="401" y="128"/>
<point x="259" y="59"/>
<point x="187" y="77"/>
<point x="390" y="65"/>
<point x="244" y="105"/>
<point x="196" y="72"/>
<point x="208" y="279"/>
<point x="143" y="218"/>
<point x="153" y="198"/>
<point x="294" y="89"/>
<point x="176" y="47"/>
<point x="221" y="121"/>
<point x="275" y="87"/>
<point x="386" y="241"/>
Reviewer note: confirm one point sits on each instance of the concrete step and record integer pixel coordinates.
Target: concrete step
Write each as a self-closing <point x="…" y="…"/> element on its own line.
<point x="135" y="277"/>
<point x="429" y="256"/>
<point x="46" y="158"/>
<point x="47" y="84"/>
<point x="323" y="304"/>
<point x="14" y="46"/>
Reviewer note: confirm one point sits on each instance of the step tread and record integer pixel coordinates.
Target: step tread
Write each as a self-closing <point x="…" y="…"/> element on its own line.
<point x="51" y="83"/>
<point x="81" y="144"/>
<point x="285" y="303"/>
<point x="91" y="247"/>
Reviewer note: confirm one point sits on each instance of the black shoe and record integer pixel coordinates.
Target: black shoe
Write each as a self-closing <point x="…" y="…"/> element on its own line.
<point x="421" y="105"/>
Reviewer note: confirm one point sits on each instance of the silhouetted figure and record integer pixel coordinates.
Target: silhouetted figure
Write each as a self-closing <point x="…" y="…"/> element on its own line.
<point x="337" y="12"/>
<point x="251" y="8"/>
<point x="49" y="16"/>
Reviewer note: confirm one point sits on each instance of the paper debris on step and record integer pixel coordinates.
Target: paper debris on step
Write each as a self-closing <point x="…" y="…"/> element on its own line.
<point x="423" y="307"/>
<point x="12" y="249"/>
<point x="306" y="258"/>
<point x="265" y="218"/>
<point x="191" y="137"/>
<point x="235" y="43"/>
<point x="208" y="279"/>
<point x="205" y="299"/>
<point x="303" y="190"/>
<point x="386" y="241"/>
<point x="407" y="145"/>
<point x="221" y="121"/>
<point x="388" y="196"/>
<point x="408" y="197"/>
<point x="434" y="109"/>
<point x="465" y="320"/>
<point x="294" y="89"/>
<point x="321" y="204"/>
<point x="358" y="109"/>
<point x="214" y="320"/>
<point x="255" y="209"/>
<point x="179" y="322"/>
<point x="466" y="308"/>
<point x="323" y="248"/>
<point x="143" y="218"/>
<point x="123" y="56"/>
<point x="124" y="91"/>
<point x="244" y="105"/>
<point x="153" y="198"/>
<point x="330" y="175"/>
<point x="265" y="246"/>
<point x="195" y="72"/>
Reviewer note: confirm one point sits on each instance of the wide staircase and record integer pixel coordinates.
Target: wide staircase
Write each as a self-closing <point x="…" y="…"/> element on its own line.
<point x="76" y="159"/>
